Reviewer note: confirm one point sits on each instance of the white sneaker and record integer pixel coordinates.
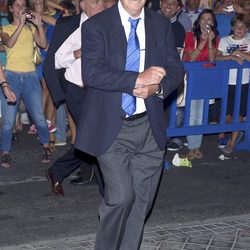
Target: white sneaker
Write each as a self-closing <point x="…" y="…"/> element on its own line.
<point x="60" y="144"/>
<point x="181" y="162"/>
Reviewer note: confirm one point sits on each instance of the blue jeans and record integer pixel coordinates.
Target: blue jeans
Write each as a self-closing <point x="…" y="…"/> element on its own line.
<point x="28" y="86"/>
<point x="196" y="113"/>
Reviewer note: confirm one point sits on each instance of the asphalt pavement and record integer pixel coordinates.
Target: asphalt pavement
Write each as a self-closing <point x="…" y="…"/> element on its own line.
<point x="203" y="207"/>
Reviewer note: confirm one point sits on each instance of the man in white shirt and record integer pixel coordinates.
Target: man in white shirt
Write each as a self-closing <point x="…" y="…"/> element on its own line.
<point x="62" y="71"/>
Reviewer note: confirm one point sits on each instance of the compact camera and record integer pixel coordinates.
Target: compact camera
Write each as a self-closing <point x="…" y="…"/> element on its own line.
<point x="28" y="14"/>
<point x="208" y="28"/>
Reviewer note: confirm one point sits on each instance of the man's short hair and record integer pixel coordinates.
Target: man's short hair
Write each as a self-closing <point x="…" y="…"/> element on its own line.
<point x="179" y="2"/>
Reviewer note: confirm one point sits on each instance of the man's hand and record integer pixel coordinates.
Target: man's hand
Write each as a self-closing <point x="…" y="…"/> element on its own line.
<point x="77" y="53"/>
<point x="144" y="91"/>
<point x="152" y="75"/>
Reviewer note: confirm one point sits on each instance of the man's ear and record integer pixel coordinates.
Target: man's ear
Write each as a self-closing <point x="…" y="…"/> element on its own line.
<point x="82" y="5"/>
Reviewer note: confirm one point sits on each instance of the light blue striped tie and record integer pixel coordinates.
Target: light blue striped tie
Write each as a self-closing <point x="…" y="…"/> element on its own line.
<point x="132" y="64"/>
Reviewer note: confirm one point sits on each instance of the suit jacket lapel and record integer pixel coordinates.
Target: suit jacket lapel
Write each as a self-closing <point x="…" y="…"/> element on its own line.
<point x="120" y="36"/>
<point x="150" y="42"/>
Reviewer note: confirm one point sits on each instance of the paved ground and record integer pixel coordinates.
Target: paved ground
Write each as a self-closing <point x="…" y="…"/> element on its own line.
<point x="217" y="234"/>
<point x="203" y="207"/>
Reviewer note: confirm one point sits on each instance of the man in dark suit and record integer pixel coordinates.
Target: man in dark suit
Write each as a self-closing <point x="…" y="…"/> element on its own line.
<point x="63" y="77"/>
<point x="122" y="121"/>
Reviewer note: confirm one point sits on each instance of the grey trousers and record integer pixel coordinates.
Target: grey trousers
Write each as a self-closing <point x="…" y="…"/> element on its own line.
<point x="131" y="170"/>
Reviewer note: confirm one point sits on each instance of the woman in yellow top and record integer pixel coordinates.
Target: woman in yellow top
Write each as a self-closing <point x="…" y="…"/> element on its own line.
<point x="18" y="37"/>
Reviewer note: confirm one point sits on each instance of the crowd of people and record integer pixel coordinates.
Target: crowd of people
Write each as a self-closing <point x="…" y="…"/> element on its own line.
<point x="219" y="32"/>
<point x="199" y="27"/>
<point x="83" y="60"/>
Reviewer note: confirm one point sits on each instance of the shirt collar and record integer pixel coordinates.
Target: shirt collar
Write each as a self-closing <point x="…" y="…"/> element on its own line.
<point x="197" y="11"/>
<point x="84" y="17"/>
<point x="173" y="19"/>
<point x="125" y="15"/>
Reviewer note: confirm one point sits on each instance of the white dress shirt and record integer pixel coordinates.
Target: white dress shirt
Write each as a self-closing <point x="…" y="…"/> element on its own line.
<point x="140" y="31"/>
<point x="64" y="56"/>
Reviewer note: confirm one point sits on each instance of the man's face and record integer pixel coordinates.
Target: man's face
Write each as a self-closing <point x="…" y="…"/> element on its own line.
<point x="193" y="4"/>
<point x="92" y="7"/>
<point x="133" y="7"/>
<point x="169" y="8"/>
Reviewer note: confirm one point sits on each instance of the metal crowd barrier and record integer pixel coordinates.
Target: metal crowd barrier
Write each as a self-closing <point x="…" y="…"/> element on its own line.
<point x="206" y="81"/>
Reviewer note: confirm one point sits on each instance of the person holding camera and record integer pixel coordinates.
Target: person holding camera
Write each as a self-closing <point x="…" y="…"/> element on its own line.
<point x="200" y="45"/>
<point x="19" y="36"/>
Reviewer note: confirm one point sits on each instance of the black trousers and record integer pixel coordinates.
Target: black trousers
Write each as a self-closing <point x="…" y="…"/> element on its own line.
<point x="73" y="158"/>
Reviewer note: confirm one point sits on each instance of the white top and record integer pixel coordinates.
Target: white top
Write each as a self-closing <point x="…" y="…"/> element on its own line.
<point x="227" y="45"/>
<point x="140" y="31"/>
<point x="64" y="56"/>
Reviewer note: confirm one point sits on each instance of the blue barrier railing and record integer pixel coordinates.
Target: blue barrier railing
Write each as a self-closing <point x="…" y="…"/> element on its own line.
<point x="207" y="81"/>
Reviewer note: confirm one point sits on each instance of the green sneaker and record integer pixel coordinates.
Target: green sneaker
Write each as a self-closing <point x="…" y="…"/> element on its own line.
<point x="181" y="162"/>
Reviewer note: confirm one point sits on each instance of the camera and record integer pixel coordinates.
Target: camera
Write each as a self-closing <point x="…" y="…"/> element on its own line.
<point x="28" y="14"/>
<point x="208" y="28"/>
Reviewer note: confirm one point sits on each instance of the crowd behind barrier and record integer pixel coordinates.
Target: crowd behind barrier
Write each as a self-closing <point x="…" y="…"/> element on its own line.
<point x="207" y="81"/>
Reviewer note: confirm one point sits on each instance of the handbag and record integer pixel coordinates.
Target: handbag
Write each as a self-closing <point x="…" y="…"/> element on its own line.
<point x="37" y="56"/>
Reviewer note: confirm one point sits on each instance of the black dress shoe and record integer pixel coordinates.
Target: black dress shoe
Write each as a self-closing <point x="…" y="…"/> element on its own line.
<point x="79" y="181"/>
<point x="56" y="186"/>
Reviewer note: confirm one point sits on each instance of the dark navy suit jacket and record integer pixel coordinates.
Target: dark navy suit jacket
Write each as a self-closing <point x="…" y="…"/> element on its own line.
<point x="65" y="26"/>
<point x="104" y="47"/>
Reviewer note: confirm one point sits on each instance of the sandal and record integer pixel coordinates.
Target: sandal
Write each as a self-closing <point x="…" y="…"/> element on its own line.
<point x="52" y="146"/>
<point x="198" y="153"/>
<point x="191" y="154"/>
<point x="6" y="160"/>
<point x="228" y="150"/>
<point x="46" y="157"/>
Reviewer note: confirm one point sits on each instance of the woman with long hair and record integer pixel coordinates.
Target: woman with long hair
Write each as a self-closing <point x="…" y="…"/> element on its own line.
<point x="200" y="45"/>
<point x="19" y="36"/>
